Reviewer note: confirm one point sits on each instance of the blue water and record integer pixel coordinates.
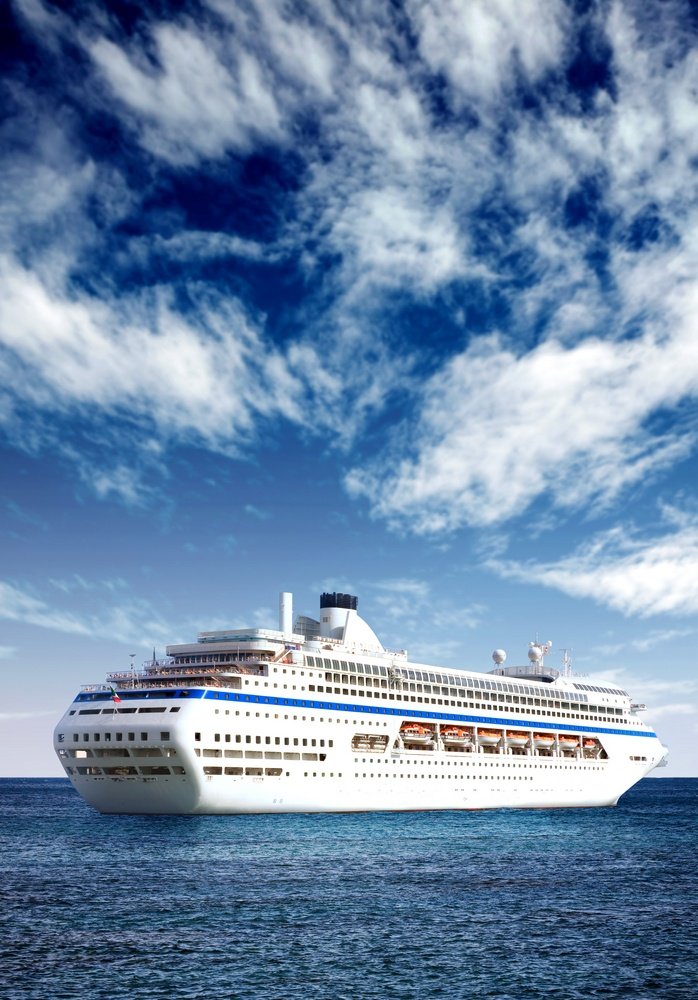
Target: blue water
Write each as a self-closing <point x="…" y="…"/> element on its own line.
<point x="508" y="905"/>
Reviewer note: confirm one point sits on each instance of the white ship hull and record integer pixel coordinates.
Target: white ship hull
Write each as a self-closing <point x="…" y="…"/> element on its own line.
<point x="208" y="795"/>
<point x="279" y="726"/>
<point x="347" y="780"/>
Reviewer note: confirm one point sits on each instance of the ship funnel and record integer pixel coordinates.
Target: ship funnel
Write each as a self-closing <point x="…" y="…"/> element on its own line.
<point x="286" y="613"/>
<point x="335" y="610"/>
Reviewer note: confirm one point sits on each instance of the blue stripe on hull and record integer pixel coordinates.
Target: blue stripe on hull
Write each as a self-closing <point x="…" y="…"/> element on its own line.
<point x="334" y="706"/>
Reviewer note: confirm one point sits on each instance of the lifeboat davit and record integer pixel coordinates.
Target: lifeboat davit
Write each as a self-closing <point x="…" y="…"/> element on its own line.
<point x="414" y="732"/>
<point x="489" y="737"/>
<point x="543" y="741"/>
<point x="516" y="739"/>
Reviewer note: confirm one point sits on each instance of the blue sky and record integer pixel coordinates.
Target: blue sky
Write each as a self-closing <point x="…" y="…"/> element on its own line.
<point x="393" y="298"/>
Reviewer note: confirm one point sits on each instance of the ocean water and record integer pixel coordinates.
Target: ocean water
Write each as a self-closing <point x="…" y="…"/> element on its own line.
<point x="513" y="905"/>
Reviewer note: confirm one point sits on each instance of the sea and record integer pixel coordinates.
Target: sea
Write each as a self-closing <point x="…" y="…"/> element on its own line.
<point x="567" y="904"/>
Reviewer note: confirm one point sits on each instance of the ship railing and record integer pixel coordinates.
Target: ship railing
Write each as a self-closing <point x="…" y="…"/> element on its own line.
<point x="175" y="670"/>
<point x="143" y="683"/>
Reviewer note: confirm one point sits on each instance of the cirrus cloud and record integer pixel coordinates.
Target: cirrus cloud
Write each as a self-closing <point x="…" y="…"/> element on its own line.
<point x="634" y="574"/>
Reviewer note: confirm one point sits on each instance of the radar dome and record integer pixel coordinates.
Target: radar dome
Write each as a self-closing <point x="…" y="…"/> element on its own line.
<point x="535" y="653"/>
<point x="499" y="656"/>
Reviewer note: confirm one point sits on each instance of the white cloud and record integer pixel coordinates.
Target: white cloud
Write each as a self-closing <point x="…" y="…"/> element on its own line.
<point x="257" y="512"/>
<point x="12" y="716"/>
<point x="396" y="195"/>
<point x="194" y="245"/>
<point x="20" y="605"/>
<point x="396" y="241"/>
<point x="193" y="102"/>
<point x="417" y="589"/>
<point x="676" y="708"/>
<point x="656" y="637"/>
<point x="638" y="576"/>
<point x="497" y="430"/>
<point x="133" y="620"/>
<point x="210" y="379"/>
<point x="481" y="47"/>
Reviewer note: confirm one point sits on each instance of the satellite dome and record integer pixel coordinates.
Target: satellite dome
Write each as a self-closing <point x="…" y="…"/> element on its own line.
<point x="535" y="653"/>
<point x="499" y="656"/>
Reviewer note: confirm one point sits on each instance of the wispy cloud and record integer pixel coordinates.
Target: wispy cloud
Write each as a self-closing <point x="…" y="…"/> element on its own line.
<point x="24" y="516"/>
<point x="628" y="571"/>
<point x="641" y="644"/>
<point x="13" y="716"/>
<point x="131" y="620"/>
<point x="456" y="173"/>
<point x="191" y="99"/>
<point x="418" y="589"/>
<point x="497" y="430"/>
<point x="257" y="512"/>
<point x="676" y="708"/>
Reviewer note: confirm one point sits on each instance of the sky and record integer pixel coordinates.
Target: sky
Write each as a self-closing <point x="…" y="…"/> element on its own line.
<point x="392" y="298"/>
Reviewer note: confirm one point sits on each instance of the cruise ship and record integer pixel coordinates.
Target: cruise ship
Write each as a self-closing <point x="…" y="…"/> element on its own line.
<point x="317" y="716"/>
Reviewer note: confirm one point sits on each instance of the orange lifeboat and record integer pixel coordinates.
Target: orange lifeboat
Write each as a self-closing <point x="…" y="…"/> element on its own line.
<point x="543" y="741"/>
<point x="516" y="739"/>
<point x="415" y="732"/>
<point x="489" y="737"/>
<point x="568" y="742"/>
<point x="455" y="735"/>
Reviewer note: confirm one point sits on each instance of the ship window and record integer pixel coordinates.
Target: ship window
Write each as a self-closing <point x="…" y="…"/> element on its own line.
<point x="165" y="735"/>
<point x="75" y="737"/>
<point x="144" y="736"/>
<point x="197" y="736"/>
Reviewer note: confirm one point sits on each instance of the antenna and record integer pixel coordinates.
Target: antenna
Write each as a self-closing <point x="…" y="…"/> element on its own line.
<point x="566" y="663"/>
